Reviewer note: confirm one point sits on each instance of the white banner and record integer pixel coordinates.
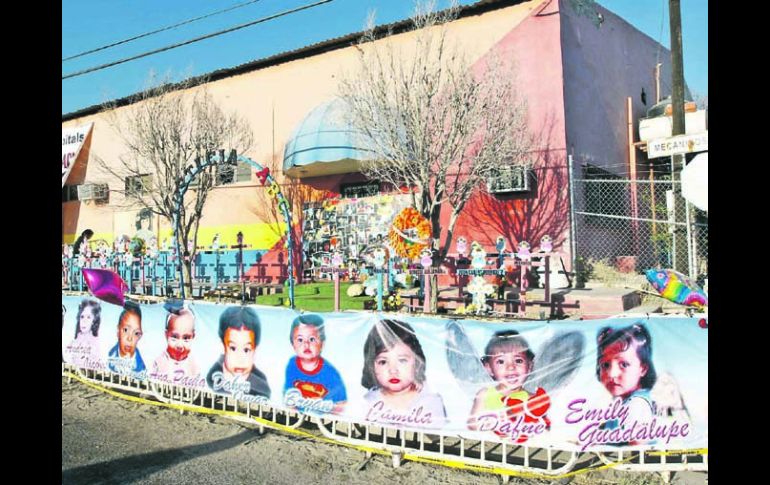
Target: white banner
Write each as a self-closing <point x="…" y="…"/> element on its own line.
<point x="595" y="385"/>
<point x="71" y="142"/>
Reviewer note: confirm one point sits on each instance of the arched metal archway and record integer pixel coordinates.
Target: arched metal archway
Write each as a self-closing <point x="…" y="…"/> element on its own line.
<point x="263" y="174"/>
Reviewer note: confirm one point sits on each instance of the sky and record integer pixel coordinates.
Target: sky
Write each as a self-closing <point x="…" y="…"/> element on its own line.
<point x="89" y="24"/>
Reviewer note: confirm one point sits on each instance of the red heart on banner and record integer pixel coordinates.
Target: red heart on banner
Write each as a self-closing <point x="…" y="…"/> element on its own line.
<point x="514" y="404"/>
<point x="539" y="403"/>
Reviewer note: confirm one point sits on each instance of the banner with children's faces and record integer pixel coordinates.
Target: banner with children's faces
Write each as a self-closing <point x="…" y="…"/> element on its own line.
<point x="598" y="385"/>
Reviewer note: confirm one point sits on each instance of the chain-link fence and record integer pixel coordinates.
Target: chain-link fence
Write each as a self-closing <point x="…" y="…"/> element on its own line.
<point x="638" y="224"/>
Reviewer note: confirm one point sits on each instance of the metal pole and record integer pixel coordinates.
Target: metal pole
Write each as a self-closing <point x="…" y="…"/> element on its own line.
<point x="523" y="289"/>
<point x="141" y="266"/>
<point x="336" y="275"/>
<point x="678" y="118"/>
<point x="672" y="218"/>
<point x="633" y="176"/>
<point x="573" y="223"/>
<point x="216" y="269"/>
<point x="165" y="272"/>
<point x="547" y="286"/>
<point x="130" y="268"/>
<point x="653" y="211"/>
<point x="690" y="250"/>
<point x="290" y="250"/>
<point x="241" y="276"/>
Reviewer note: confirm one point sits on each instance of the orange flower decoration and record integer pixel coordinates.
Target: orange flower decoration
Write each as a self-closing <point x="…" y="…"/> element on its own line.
<point x="409" y="234"/>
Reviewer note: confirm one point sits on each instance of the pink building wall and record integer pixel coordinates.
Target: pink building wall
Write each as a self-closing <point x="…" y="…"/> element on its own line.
<point x="603" y="66"/>
<point x="535" y="47"/>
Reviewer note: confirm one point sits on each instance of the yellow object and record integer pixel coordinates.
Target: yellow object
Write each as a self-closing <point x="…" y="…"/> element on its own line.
<point x="298" y="432"/>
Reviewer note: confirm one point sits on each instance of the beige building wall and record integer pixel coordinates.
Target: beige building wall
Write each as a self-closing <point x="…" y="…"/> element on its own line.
<point x="274" y="100"/>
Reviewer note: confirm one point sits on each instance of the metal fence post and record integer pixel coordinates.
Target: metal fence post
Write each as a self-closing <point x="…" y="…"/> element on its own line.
<point x="573" y="224"/>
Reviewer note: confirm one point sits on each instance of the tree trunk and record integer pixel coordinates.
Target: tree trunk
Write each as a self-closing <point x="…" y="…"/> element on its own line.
<point x="435" y="219"/>
<point x="296" y="243"/>
<point x="188" y="283"/>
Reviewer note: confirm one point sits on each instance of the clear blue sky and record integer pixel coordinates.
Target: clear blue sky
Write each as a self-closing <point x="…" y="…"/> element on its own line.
<point x="88" y="24"/>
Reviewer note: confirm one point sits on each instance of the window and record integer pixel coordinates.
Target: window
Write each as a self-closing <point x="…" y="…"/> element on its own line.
<point x="229" y="174"/>
<point x="96" y="192"/>
<point x="243" y="172"/>
<point x="512" y="178"/>
<point x="69" y="193"/>
<point x="225" y="174"/>
<point x="358" y="190"/>
<point x="138" y="185"/>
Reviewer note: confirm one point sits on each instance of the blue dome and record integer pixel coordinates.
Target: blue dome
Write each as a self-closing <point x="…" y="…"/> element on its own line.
<point x="324" y="143"/>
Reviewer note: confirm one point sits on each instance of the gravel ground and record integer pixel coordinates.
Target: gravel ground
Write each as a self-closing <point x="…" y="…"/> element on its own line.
<point x="106" y="439"/>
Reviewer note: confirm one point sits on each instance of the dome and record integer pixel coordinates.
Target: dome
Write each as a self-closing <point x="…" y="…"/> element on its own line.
<point x="323" y="143"/>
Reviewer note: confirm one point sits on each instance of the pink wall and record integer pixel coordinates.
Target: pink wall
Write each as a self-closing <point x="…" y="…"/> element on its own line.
<point x="602" y="67"/>
<point x="535" y="48"/>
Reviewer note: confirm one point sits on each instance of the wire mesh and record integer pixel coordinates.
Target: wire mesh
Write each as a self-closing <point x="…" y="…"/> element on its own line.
<point x="635" y="224"/>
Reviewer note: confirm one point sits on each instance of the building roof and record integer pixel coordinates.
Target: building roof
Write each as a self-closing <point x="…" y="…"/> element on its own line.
<point x="478" y="8"/>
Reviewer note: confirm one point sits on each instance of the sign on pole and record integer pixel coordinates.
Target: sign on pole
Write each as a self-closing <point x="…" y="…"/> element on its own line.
<point x="678" y="145"/>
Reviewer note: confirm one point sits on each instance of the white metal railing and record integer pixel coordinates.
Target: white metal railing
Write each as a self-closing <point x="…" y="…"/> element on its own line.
<point x="490" y="456"/>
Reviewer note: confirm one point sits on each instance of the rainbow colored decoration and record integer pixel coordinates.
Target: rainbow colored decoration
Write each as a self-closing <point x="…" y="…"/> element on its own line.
<point x="674" y="286"/>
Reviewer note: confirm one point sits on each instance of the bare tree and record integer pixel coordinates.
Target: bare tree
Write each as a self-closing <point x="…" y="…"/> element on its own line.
<point x="435" y="123"/>
<point x="701" y="100"/>
<point x="164" y="129"/>
<point x="297" y="194"/>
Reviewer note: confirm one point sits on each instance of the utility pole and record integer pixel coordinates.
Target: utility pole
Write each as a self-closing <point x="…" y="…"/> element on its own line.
<point x="678" y="128"/>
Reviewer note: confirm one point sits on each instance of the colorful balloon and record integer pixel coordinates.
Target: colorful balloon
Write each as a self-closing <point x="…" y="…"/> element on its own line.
<point x="105" y="285"/>
<point x="676" y="287"/>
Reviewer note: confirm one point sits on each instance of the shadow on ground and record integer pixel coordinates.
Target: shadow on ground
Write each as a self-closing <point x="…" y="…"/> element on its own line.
<point x="137" y="467"/>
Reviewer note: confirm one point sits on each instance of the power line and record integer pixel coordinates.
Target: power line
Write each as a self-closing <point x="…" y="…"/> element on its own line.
<point x="162" y="29"/>
<point x="197" y="39"/>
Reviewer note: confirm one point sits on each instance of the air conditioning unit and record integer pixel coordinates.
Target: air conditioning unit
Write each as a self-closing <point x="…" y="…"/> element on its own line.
<point x="93" y="191"/>
<point x="508" y="179"/>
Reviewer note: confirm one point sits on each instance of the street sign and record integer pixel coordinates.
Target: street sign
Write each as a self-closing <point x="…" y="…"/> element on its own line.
<point x="676" y="145"/>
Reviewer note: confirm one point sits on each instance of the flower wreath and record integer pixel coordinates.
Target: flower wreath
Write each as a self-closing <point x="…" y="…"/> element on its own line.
<point x="409" y="221"/>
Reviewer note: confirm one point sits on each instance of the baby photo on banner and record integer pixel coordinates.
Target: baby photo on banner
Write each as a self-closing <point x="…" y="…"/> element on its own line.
<point x="597" y="385"/>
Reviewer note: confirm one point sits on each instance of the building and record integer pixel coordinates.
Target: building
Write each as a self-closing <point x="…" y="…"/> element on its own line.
<point x="576" y="74"/>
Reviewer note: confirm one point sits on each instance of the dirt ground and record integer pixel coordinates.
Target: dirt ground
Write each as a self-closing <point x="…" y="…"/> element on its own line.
<point x="106" y="439"/>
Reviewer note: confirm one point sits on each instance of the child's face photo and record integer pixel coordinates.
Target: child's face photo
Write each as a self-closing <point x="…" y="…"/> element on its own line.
<point x="509" y="365"/>
<point x="239" y="351"/>
<point x="621" y="370"/>
<point x="129" y="333"/>
<point x="86" y="319"/>
<point x="307" y="343"/>
<point x="179" y="336"/>
<point x="394" y="369"/>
